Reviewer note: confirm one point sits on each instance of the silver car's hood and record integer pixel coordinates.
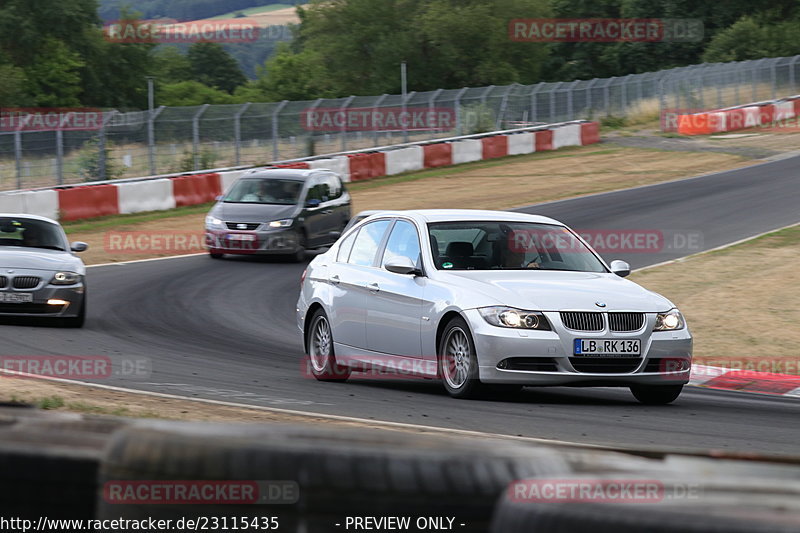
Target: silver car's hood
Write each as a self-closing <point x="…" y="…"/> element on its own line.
<point x="555" y="290"/>
<point x="38" y="259"/>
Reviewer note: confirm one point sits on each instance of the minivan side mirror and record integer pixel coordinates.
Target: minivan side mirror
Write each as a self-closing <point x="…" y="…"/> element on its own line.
<point x="401" y="265"/>
<point x="313" y="202"/>
<point x="78" y="246"/>
<point x="620" y="268"/>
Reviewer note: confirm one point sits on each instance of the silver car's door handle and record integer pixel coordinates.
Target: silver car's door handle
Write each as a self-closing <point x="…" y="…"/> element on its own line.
<point x="374" y="287"/>
<point x="335" y="279"/>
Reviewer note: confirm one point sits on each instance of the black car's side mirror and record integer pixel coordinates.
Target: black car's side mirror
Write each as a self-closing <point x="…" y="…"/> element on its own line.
<point x="313" y="202"/>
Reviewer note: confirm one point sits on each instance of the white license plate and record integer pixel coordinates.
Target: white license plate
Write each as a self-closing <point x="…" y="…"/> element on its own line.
<point x="242" y="237"/>
<point x="608" y="347"/>
<point x="14" y="298"/>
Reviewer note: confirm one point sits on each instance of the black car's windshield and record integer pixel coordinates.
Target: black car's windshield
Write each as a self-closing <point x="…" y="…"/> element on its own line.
<point x="30" y="233"/>
<point x="509" y="246"/>
<point x="265" y="191"/>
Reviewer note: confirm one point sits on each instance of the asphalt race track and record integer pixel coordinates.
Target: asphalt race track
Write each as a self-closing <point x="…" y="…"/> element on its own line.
<point x="225" y="330"/>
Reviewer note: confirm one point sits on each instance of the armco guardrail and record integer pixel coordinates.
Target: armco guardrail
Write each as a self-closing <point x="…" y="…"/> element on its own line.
<point x="740" y="117"/>
<point x="166" y="192"/>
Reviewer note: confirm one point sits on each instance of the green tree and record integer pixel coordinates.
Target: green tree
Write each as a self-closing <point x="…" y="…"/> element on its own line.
<point x="213" y="66"/>
<point x="189" y="93"/>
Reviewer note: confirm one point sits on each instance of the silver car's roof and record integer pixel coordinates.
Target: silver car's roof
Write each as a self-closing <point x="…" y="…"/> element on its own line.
<point x="32" y="217"/>
<point x="457" y="215"/>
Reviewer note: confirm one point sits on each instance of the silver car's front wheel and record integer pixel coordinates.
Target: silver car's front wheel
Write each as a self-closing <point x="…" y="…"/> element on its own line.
<point x="321" y="356"/>
<point x="458" y="363"/>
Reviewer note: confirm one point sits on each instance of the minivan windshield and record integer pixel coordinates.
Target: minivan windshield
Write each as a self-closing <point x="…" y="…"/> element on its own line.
<point x="30" y="233"/>
<point x="485" y="245"/>
<point x="265" y="191"/>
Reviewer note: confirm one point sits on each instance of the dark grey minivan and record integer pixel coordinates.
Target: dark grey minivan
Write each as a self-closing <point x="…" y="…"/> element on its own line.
<point x="278" y="211"/>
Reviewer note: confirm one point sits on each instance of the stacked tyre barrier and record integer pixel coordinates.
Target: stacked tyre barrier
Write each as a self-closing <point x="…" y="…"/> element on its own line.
<point x="167" y="192"/>
<point x="316" y="479"/>
<point x="740" y="117"/>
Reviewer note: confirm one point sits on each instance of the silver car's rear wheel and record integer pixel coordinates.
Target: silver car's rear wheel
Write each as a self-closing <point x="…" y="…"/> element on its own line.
<point x="458" y="363"/>
<point x="320" y="350"/>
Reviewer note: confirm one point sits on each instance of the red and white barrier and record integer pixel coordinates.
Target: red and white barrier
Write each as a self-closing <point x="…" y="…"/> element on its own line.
<point x="167" y="192"/>
<point x="739" y="118"/>
<point x="404" y="160"/>
<point x="467" y="151"/>
<point x="146" y="195"/>
<point x="521" y="143"/>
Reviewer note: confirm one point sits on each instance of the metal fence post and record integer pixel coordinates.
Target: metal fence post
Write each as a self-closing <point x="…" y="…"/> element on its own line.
<point x="774" y="79"/>
<point x="553" y="100"/>
<point x="503" y="104"/>
<point x="408" y="98"/>
<point x="18" y="155"/>
<point x="196" y="135"/>
<point x="275" y="131"/>
<point x="237" y="132"/>
<point x="589" y="96"/>
<point x="151" y="140"/>
<point x="457" y="105"/>
<point x="60" y="148"/>
<point x="102" y="162"/>
<point x="607" y="95"/>
<point x="343" y="111"/>
<point x="432" y="106"/>
<point x="792" y="76"/>
<point x="375" y="108"/>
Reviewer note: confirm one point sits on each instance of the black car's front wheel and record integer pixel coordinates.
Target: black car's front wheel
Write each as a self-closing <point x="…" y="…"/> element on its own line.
<point x="321" y="356"/>
<point x="458" y="363"/>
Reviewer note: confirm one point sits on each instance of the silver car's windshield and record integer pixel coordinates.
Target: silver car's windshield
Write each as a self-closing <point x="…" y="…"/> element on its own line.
<point x="483" y="245"/>
<point x="30" y="233"/>
<point x="265" y="191"/>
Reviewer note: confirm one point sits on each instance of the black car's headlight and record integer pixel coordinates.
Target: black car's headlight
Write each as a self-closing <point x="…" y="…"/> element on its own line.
<point x="65" y="278"/>
<point x="669" y="321"/>
<point x="285" y="223"/>
<point x="508" y="317"/>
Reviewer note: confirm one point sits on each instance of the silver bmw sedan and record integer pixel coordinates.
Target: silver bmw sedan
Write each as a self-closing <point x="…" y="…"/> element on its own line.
<point x="487" y="300"/>
<point x="40" y="276"/>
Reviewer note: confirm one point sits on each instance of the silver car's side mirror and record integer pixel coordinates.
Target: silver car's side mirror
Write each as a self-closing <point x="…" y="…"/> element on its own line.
<point x="78" y="246"/>
<point x="620" y="268"/>
<point x="401" y="265"/>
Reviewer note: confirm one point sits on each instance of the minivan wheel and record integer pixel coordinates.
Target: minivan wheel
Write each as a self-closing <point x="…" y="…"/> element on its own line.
<point x="300" y="255"/>
<point x="656" y="394"/>
<point x="319" y="346"/>
<point x="458" y="363"/>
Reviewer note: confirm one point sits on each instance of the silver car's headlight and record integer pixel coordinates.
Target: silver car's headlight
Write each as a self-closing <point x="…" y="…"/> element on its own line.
<point x="669" y="321"/>
<point x="65" y="278"/>
<point x="213" y="222"/>
<point x="508" y="317"/>
<point x="285" y="223"/>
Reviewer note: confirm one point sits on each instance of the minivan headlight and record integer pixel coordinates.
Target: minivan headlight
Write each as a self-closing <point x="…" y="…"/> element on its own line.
<point x="669" y="321"/>
<point x="213" y="222"/>
<point x="65" y="278"/>
<point x="508" y="317"/>
<point x="285" y="223"/>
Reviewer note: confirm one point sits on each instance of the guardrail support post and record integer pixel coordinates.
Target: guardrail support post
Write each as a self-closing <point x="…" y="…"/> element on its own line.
<point x="237" y="132"/>
<point x="196" y="136"/>
<point x="275" y="131"/>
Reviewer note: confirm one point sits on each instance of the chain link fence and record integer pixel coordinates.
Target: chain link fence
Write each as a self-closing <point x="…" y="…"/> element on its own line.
<point x="95" y="145"/>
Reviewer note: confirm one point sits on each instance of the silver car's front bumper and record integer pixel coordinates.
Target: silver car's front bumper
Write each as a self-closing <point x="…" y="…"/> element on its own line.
<point x="72" y="294"/>
<point x="665" y="357"/>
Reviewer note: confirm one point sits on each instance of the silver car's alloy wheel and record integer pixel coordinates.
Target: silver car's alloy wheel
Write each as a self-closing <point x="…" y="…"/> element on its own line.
<point x="457" y="357"/>
<point x="319" y="349"/>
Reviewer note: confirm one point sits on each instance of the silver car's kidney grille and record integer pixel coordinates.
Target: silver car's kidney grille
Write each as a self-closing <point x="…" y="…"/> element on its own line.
<point x="625" y="321"/>
<point x="582" y="321"/>
<point x="26" y="282"/>
<point x="3" y="282"/>
<point x="249" y="226"/>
